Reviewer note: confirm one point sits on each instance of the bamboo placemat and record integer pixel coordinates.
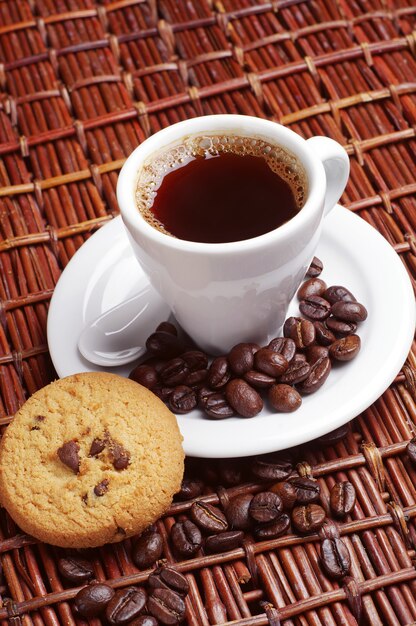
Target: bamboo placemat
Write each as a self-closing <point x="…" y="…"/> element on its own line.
<point x="82" y="83"/>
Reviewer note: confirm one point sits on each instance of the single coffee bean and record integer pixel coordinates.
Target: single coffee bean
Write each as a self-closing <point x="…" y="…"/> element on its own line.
<point x="92" y="600"/>
<point x="273" y="529"/>
<point x="75" y="569"/>
<point x="182" y="399"/>
<point x="270" y="362"/>
<point x="217" y="407"/>
<point x="273" y="466"/>
<point x="238" y="511"/>
<point x="315" y="267"/>
<point x="186" y="538"/>
<point x="341" y="328"/>
<point x="288" y="325"/>
<point x="315" y="308"/>
<point x="342" y="498"/>
<point x="323" y="335"/>
<point x="167" y="327"/>
<point x="144" y="620"/>
<point x="125" y="605"/>
<point x="224" y="541"/>
<point x="286" y="492"/>
<point x="317" y="376"/>
<point x="145" y="375"/>
<point x="337" y="293"/>
<point x="303" y="333"/>
<point x="167" y="606"/>
<point x="307" y="490"/>
<point x="195" y="360"/>
<point x="296" y="372"/>
<point x="258" y="379"/>
<point x="311" y="287"/>
<point x="208" y="517"/>
<point x="163" y="392"/>
<point x="174" y="372"/>
<point x="169" y="578"/>
<point x="284" y="398"/>
<point x="334" y="436"/>
<point x="147" y="550"/>
<point x="285" y="346"/>
<point x="411" y="450"/>
<point x="242" y="398"/>
<point x="164" y="345"/>
<point x="266" y="506"/>
<point x="190" y="488"/>
<point x="314" y="353"/>
<point x="196" y="378"/>
<point x="349" y="311"/>
<point x="308" y="518"/>
<point x="346" y="348"/>
<point x="219" y="373"/>
<point x="335" y="558"/>
<point x="241" y="358"/>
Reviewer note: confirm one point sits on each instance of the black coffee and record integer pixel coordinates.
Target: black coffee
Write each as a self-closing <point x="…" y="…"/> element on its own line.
<point x="220" y="189"/>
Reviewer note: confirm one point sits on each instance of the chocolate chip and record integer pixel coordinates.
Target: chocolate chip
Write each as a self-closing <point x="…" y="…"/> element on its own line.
<point x="97" y="446"/>
<point x="68" y="455"/>
<point x="102" y="487"/>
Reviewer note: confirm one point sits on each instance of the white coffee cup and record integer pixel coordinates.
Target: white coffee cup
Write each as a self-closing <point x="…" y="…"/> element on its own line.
<point x="225" y="293"/>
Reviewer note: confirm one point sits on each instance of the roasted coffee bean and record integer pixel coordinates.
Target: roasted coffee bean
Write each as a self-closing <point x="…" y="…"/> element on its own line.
<point x="323" y="335"/>
<point x="196" y="378"/>
<point x="195" y="360"/>
<point x="238" y="511"/>
<point x="266" y="506"/>
<point x="297" y="371"/>
<point x="167" y="327"/>
<point x="411" y="450"/>
<point x="182" y="399"/>
<point x="314" y="353"/>
<point x="169" y="578"/>
<point x="273" y="529"/>
<point x="258" y="379"/>
<point x="346" y="348"/>
<point x="230" y="472"/>
<point x="315" y="267"/>
<point x="145" y="375"/>
<point x="190" y="488"/>
<point x="203" y="393"/>
<point x="167" y="606"/>
<point x="243" y="398"/>
<point x="241" y="358"/>
<point x="186" y="537"/>
<point x="317" y="376"/>
<point x="349" y="311"/>
<point x="315" y="308"/>
<point x="209" y="517"/>
<point x="337" y="293"/>
<point x="308" y="518"/>
<point x="287" y="326"/>
<point x="341" y="328"/>
<point x="75" y="569"/>
<point x="144" y="620"/>
<point x="174" y="372"/>
<point x="286" y="492"/>
<point x="92" y="600"/>
<point x="217" y="407"/>
<point x="68" y="454"/>
<point x="125" y="605"/>
<point x="163" y="392"/>
<point x="303" y="333"/>
<point x="165" y="345"/>
<point x="147" y="550"/>
<point x="334" y="436"/>
<point x="219" y="373"/>
<point x="270" y="362"/>
<point x="273" y="466"/>
<point x="342" y="498"/>
<point x="335" y="558"/>
<point x="311" y="287"/>
<point x="224" y="541"/>
<point x="285" y="346"/>
<point x="284" y="398"/>
<point x="307" y="490"/>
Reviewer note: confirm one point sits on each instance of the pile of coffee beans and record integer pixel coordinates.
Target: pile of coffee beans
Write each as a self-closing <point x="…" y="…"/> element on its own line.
<point x="286" y="369"/>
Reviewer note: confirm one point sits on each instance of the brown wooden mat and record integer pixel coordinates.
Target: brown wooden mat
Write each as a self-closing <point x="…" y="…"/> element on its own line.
<point x="82" y="83"/>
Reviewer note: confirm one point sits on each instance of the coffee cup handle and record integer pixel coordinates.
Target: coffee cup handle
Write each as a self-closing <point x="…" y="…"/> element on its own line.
<point x="337" y="168"/>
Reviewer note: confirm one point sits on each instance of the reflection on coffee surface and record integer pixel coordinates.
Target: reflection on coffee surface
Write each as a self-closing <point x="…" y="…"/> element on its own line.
<point x="220" y="188"/>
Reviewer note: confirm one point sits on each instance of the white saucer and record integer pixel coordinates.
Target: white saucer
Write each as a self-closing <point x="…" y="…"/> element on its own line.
<point x="104" y="273"/>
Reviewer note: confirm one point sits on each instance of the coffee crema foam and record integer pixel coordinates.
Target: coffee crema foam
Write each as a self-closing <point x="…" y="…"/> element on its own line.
<point x="150" y="176"/>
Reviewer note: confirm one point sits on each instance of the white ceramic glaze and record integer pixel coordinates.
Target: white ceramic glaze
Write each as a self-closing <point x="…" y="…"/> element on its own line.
<point x="104" y="273"/>
<point x="225" y="293"/>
